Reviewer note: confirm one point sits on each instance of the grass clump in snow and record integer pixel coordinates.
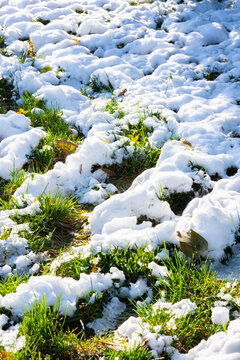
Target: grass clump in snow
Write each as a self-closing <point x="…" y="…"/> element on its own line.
<point x="3" y="47"/>
<point x="42" y="21"/>
<point x="177" y="201"/>
<point x="211" y="76"/>
<point x="10" y="284"/>
<point x="87" y="311"/>
<point x="185" y="280"/>
<point x="113" y="106"/>
<point x="54" y="226"/>
<point x="138" y="135"/>
<point x="41" y="115"/>
<point x="81" y="11"/>
<point x="6" y="93"/>
<point x="133" y="262"/>
<point x="2" y="42"/>
<point x="129" y="354"/>
<point x="50" y="150"/>
<point x="138" y="153"/>
<point x="59" y="139"/>
<point x="45" y="69"/>
<point x="7" y="188"/>
<point x="46" y="338"/>
<point x="96" y="85"/>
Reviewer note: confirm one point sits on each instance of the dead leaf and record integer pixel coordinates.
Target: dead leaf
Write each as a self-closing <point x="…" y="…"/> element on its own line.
<point x="95" y="262"/>
<point x="76" y="40"/>
<point x="67" y="146"/>
<point x="144" y="342"/>
<point x="4" y="355"/>
<point x="108" y="171"/>
<point x="187" y="144"/>
<point x="192" y="243"/>
<point x="123" y="92"/>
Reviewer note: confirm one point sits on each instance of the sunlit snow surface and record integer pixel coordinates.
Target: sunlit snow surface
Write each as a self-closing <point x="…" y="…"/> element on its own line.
<point x="164" y="71"/>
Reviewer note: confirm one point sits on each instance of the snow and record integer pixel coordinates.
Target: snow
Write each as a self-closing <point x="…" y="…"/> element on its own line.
<point x="179" y="309"/>
<point x="138" y="289"/>
<point x="157" y="270"/>
<point x="164" y="71"/>
<point x="9" y="338"/>
<point x="53" y="286"/>
<point x="220" y="315"/>
<point x="210" y="349"/>
<point x="110" y="314"/>
<point x="137" y="330"/>
<point x="14" y="150"/>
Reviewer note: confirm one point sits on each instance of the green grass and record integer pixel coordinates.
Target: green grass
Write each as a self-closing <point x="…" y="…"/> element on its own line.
<point x="49" y="119"/>
<point x="186" y="281"/>
<point x="137" y="260"/>
<point x="87" y="312"/>
<point x="211" y="76"/>
<point x="48" y="151"/>
<point x="6" y="93"/>
<point x="113" y="106"/>
<point x="2" y="41"/>
<point x="143" y="155"/>
<point x="96" y="85"/>
<point x="53" y="227"/>
<point x="126" y="354"/>
<point x="42" y="21"/>
<point x="7" y="189"/>
<point x="10" y="284"/>
<point x="81" y="11"/>
<point x="46" y="338"/>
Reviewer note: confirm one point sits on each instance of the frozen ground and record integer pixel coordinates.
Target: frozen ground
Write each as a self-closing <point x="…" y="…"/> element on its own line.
<point x="177" y="60"/>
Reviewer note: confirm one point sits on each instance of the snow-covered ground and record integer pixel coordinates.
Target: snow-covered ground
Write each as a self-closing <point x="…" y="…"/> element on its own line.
<point x="188" y="70"/>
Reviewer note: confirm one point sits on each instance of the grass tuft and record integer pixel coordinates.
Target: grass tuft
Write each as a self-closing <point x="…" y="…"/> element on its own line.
<point x="10" y="284"/>
<point x="186" y="281"/>
<point x="55" y="225"/>
<point x="46" y="338"/>
<point x="129" y="354"/>
<point x="137" y="261"/>
<point x="48" y="151"/>
<point x="211" y="76"/>
<point x="6" y="94"/>
<point x="7" y="189"/>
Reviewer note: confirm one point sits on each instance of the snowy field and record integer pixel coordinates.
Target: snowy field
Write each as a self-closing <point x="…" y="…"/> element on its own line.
<point x="173" y="67"/>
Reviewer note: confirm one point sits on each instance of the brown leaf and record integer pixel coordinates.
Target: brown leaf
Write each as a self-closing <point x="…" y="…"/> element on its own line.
<point x="108" y="171"/>
<point x="192" y="243"/>
<point x="4" y="355"/>
<point x="95" y="262"/>
<point x="187" y="144"/>
<point x="67" y="146"/>
<point x="123" y="92"/>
